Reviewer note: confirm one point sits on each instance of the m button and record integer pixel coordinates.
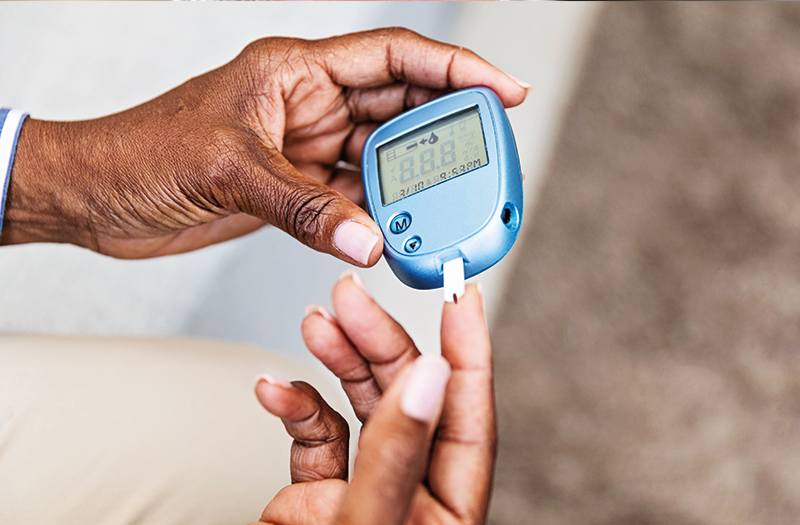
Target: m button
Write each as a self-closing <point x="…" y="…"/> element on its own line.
<point x="400" y="223"/>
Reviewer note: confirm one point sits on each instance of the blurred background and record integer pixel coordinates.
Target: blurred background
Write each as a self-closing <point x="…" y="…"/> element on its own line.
<point x="646" y="323"/>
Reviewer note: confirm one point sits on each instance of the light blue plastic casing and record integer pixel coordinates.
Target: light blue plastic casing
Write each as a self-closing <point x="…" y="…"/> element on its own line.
<point x="475" y="216"/>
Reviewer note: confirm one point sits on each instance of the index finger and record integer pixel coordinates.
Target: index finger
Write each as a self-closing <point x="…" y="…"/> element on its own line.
<point x="396" y="54"/>
<point x="466" y="441"/>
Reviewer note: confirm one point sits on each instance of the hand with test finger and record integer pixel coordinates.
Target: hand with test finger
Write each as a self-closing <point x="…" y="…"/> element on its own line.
<point x="426" y="453"/>
<point x="264" y="139"/>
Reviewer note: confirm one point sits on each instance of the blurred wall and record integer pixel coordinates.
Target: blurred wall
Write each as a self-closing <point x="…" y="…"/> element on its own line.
<point x="77" y="61"/>
<point x="647" y="359"/>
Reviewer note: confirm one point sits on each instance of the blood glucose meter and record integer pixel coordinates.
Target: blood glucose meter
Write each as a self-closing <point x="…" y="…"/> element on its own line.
<point x="443" y="182"/>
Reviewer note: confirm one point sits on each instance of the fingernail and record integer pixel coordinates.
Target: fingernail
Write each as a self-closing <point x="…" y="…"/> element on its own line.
<point x="321" y="310"/>
<point x="274" y="381"/>
<point x="479" y="288"/>
<point x="521" y="83"/>
<point x="424" y="388"/>
<point x="355" y="240"/>
<point x="356" y="279"/>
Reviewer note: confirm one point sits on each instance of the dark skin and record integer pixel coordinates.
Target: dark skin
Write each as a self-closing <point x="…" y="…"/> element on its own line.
<point x="257" y="141"/>
<point x="407" y="472"/>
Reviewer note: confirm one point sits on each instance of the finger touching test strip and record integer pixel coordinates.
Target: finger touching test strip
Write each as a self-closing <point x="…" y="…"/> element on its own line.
<point x="443" y="182"/>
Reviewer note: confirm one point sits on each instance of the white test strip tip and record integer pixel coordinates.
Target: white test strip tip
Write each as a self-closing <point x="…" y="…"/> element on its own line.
<point x="453" y="279"/>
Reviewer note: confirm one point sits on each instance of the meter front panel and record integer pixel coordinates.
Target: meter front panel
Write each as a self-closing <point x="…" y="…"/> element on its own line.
<point x="443" y="181"/>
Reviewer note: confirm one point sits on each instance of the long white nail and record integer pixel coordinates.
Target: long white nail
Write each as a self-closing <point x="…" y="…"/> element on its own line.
<point x="352" y="274"/>
<point x="274" y="381"/>
<point x="321" y="310"/>
<point x="355" y="240"/>
<point x="521" y="83"/>
<point x="425" y="386"/>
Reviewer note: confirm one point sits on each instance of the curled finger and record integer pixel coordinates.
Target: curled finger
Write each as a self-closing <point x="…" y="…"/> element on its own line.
<point x="321" y="435"/>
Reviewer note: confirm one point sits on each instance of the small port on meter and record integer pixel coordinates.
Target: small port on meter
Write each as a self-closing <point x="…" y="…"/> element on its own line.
<point x="509" y="216"/>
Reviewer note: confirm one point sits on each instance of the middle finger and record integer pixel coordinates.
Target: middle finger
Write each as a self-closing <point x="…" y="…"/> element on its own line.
<point x="377" y="337"/>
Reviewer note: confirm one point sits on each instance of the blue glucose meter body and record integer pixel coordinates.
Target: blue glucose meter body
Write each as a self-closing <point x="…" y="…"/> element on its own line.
<point x="442" y="181"/>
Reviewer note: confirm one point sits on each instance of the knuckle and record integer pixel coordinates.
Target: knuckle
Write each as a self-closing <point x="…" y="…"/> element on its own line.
<point x="225" y="159"/>
<point x="262" y="46"/>
<point x="328" y="462"/>
<point x="324" y="425"/>
<point x="256" y="46"/>
<point x="225" y="153"/>
<point x="271" y="51"/>
<point x="397" y="32"/>
<point x="306" y="211"/>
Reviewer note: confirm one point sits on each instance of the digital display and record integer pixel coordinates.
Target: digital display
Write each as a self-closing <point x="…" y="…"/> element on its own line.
<point x="429" y="155"/>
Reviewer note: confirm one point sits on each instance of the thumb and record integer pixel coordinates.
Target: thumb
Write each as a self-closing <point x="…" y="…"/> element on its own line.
<point x="316" y="215"/>
<point x="395" y="446"/>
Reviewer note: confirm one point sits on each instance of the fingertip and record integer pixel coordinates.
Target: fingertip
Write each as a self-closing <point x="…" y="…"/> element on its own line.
<point x="514" y="91"/>
<point x="465" y="317"/>
<point x="424" y="388"/>
<point x="516" y="98"/>
<point x="352" y="276"/>
<point x="521" y="83"/>
<point x="324" y="340"/>
<point x="319" y="326"/>
<point x="465" y="331"/>
<point x="479" y="289"/>
<point x="473" y="296"/>
<point x="313" y="308"/>
<point x="272" y="381"/>
<point x="294" y="402"/>
<point x="375" y="254"/>
<point x="274" y="393"/>
<point x="359" y="243"/>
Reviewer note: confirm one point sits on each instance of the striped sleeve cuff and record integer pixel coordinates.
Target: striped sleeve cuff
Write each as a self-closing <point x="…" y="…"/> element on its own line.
<point x="10" y="125"/>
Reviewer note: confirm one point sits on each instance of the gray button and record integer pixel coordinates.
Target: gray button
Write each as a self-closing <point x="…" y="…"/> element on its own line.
<point x="412" y="244"/>
<point x="400" y="223"/>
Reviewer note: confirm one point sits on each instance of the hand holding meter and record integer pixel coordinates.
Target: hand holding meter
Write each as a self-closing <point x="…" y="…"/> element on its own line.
<point x="444" y="184"/>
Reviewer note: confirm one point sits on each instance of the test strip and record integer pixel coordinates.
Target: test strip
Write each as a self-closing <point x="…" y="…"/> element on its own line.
<point x="453" y="279"/>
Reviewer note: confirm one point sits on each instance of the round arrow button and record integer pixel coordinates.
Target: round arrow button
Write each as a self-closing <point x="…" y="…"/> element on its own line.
<point x="412" y="244"/>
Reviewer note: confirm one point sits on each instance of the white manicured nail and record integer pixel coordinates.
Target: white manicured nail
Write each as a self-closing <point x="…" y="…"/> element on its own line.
<point x="355" y="240"/>
<point x="521" y="83"/>
<point x="321" y="310"/>
<point x="352" y="274"/>
<point x="274" y="381"/>
<point x="425" y="386"/>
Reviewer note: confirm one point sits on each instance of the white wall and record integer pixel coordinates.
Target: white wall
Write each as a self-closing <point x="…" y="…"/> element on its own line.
<point x="77" y="61"/>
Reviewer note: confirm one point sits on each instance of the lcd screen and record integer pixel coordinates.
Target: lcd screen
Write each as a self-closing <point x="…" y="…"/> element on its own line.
<point x="431" y="154"/>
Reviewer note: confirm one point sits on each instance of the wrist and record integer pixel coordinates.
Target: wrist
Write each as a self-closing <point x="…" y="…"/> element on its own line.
<point x="41" y="202"/>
